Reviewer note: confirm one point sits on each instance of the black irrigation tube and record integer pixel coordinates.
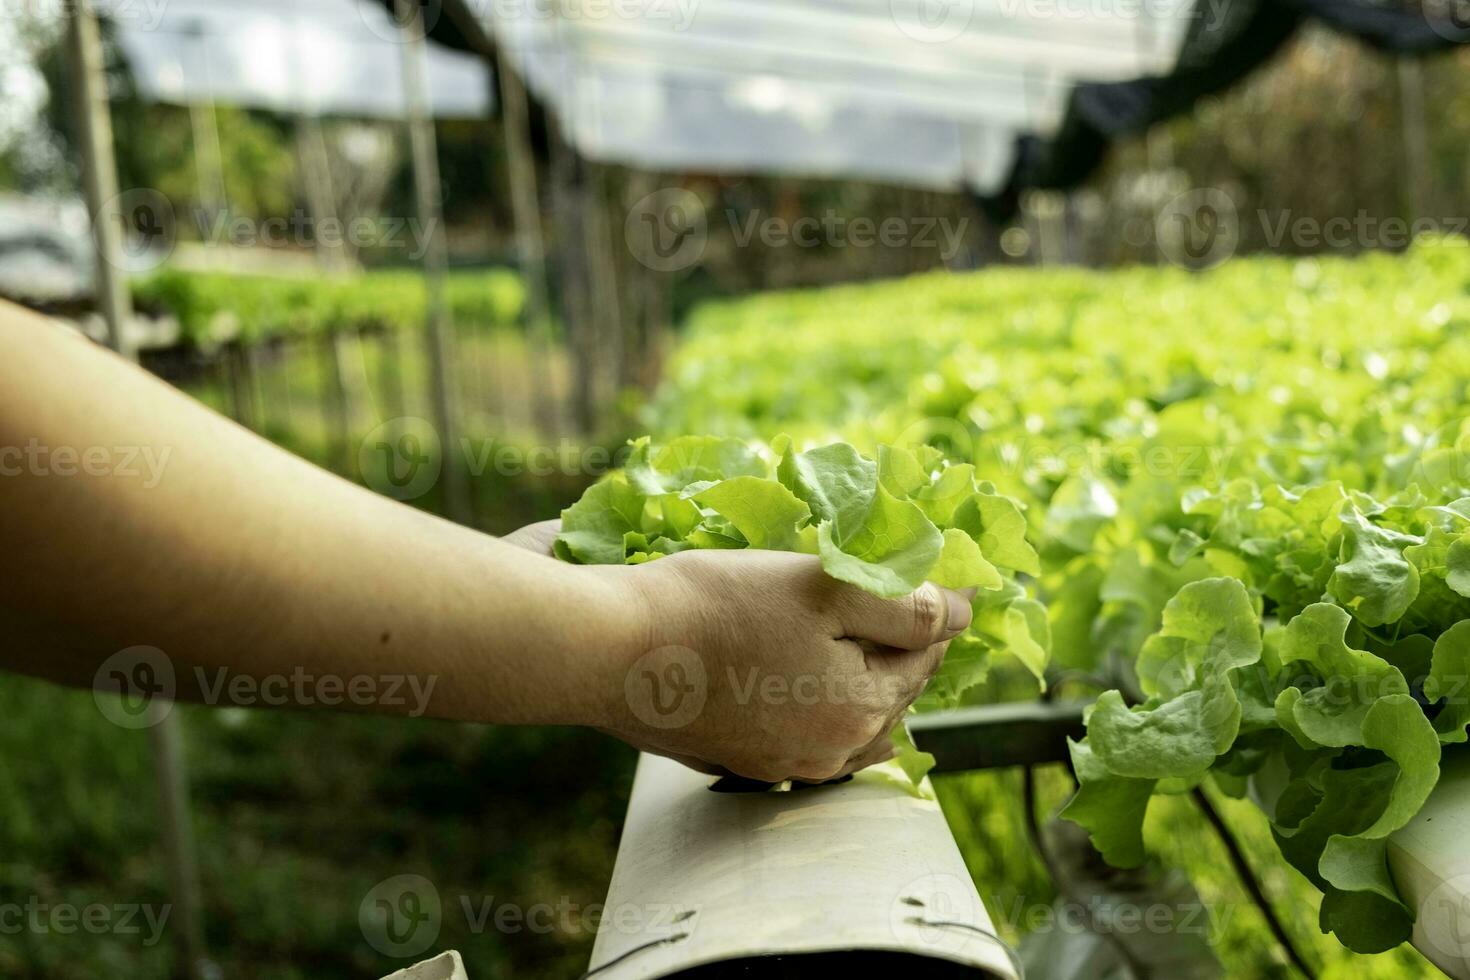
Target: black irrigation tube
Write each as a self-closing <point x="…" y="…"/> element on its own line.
<point x="1252" y="884"/>
<point x="1036" y="733"/>
<point x="1033" y="831"/>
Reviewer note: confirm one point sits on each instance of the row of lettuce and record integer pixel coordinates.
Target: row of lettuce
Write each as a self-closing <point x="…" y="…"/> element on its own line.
<point x="213" y="307"/>
<point x="1250" y="495"/>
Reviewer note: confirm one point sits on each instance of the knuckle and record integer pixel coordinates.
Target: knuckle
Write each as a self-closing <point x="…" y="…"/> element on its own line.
<point x="859" y="727"/>
<point x="816" y="770"/>
<point x="832" y="768"/>
<point x="898" y="690"/>
<point x="767" y="772"/>
<point x="929" y="615"/>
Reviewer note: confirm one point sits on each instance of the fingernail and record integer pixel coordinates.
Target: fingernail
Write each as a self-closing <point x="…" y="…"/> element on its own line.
<point x="960" y="612"/>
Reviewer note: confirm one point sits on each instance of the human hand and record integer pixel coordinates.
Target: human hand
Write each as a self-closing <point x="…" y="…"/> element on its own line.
<point x="757" y="663"/>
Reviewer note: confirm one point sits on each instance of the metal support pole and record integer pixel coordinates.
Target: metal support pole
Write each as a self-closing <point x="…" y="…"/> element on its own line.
<point x="99" y="177"/>
<point x="436" y="258"/>
<point x="526" y="208"/>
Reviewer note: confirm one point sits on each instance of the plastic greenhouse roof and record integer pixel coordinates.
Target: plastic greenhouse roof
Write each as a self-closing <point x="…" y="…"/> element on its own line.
<point x="320" y="57"/>
<point x="912" y="91"/>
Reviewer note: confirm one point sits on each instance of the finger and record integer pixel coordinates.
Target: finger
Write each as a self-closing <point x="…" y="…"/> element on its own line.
<point x="926" y="616"/>
<point x="689" y="761"/>
<point x="698" y="765"/>
<point x="880" y="750"/>
<point x="903" y="674"/>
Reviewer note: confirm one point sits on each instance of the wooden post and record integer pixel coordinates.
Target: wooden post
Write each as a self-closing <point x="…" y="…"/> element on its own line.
<point x="338" y="407"/>
<point x="209" y="168"/>
<point x="167" y="742"/>
<point x="390" y="374"/>
<point x="99" y="173"/>
<point x="607" y="338"/>
<point x="244" y="387"/>
<point x="1158" y="148"/>
<point x="1051" y="226"/>
<point x="99" y="179"/>
<point x="648" y="290"/>
<point x="429" y="193"/>
<point x="1418" y="177"/>
<point x="315" y="169"/>
<point x="530" y="244"/>
<point x="575" y="281"/>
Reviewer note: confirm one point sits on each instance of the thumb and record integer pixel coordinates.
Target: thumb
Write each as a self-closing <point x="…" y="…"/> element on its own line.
<point x="924" y="617"/>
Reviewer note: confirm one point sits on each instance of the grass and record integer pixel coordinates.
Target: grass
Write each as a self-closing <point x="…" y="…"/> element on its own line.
<point x="297" y="817"/>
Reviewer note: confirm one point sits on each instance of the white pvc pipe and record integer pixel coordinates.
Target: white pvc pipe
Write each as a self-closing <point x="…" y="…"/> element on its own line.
<point x="865" y="866"/>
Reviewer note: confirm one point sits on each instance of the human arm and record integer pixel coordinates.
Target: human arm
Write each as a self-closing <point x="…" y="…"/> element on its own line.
<point x="188" y="533"/>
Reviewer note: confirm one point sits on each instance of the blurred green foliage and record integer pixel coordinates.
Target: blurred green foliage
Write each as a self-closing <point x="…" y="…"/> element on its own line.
<point x="215" y="306"/>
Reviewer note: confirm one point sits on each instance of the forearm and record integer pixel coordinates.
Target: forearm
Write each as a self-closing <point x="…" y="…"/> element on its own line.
<point x="223" y="551"/>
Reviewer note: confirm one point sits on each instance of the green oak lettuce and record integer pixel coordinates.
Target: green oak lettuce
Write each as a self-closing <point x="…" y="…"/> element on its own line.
<point x="1248" y="493"/>
<point x="885" y="525"/>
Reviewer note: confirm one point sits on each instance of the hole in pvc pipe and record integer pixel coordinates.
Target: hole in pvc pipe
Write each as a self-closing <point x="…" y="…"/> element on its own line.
<point x="739" y="784"/>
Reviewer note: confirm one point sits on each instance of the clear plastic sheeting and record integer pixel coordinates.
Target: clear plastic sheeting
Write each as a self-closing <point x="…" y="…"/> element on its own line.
<point x="314" y="57"/>
<point x="910" y="91"/>
<point x="697" y="122"/>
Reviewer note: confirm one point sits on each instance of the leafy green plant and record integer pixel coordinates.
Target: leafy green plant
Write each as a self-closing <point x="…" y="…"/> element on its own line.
<point x="885" y="525"/>
<point x="1250" y="494"/>
<point x="1331" y="711"/>
<point x="216" y="306"/>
